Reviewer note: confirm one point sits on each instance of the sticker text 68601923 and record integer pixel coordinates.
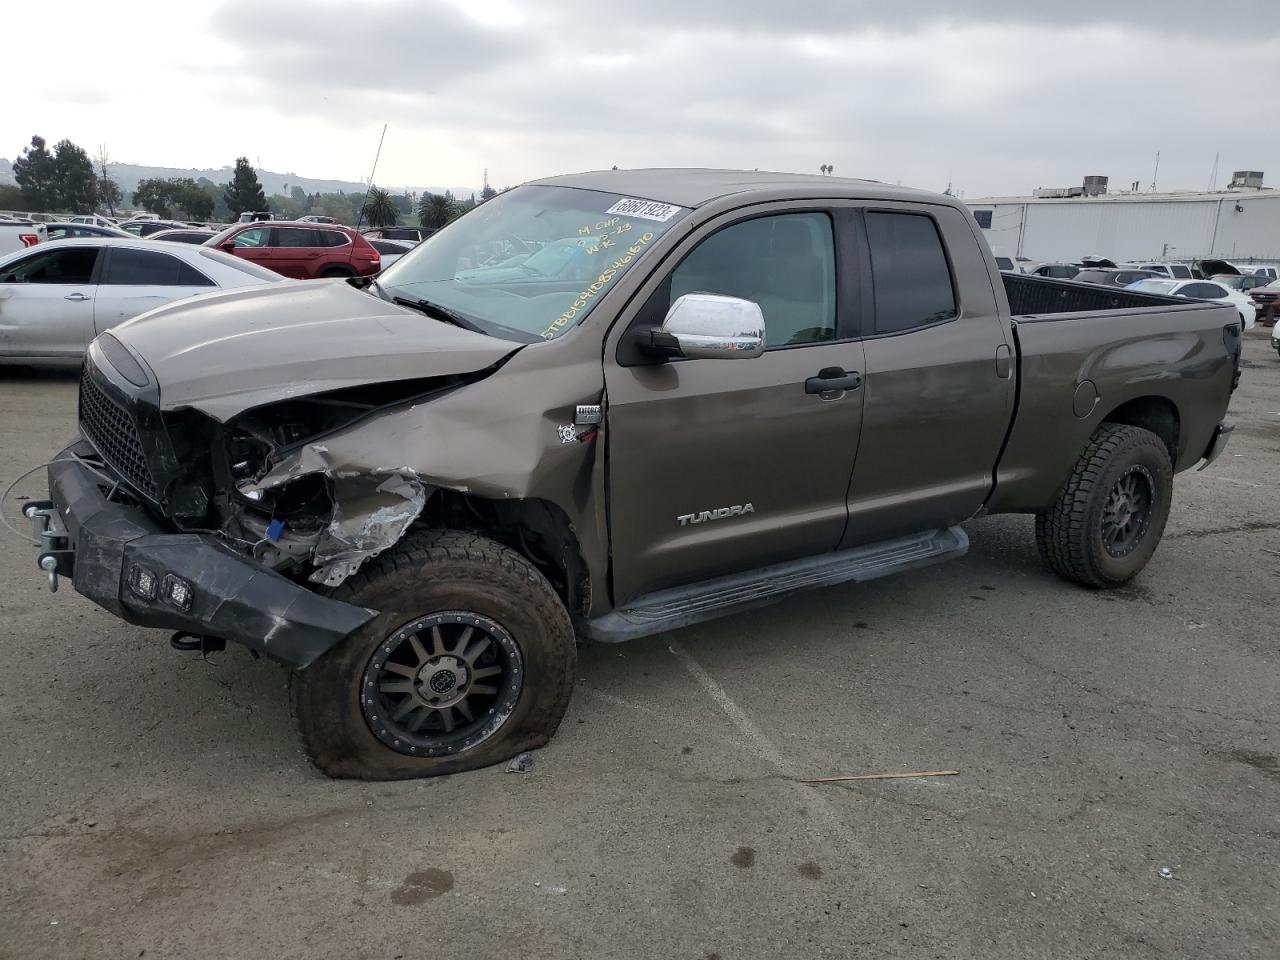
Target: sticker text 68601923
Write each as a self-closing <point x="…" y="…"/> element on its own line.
<point x="644" y="209"/>
<point x="600" y="282"/>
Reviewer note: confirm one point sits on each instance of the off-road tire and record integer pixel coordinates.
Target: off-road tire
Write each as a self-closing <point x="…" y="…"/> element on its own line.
<point x="1069" y="534"/>
<point x="429" y="572"/>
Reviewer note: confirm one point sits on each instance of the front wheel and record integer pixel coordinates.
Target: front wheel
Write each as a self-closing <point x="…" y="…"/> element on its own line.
<point x="469" y="662"/>
<point x="1111" y="513"/>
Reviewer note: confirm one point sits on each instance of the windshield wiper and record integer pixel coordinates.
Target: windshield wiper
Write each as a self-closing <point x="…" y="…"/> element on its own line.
<point x="439" y="312"/>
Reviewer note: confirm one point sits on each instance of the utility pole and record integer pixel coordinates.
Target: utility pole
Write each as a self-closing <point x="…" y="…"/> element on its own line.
<point x="1213" y="174"/>
<point x="1156" y="175"/>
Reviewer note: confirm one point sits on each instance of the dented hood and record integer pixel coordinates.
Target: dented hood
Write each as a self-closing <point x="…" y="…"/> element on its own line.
<point x="224" y="353"/>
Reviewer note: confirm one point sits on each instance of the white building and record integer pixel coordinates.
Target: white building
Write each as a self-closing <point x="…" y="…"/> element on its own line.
<point x="1232" y="225"/>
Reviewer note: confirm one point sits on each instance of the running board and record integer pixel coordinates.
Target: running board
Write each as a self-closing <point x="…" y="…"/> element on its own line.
<point x="682" y="606"/>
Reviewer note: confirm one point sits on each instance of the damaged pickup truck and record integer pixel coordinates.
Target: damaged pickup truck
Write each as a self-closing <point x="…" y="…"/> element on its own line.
<point x="604" y="406"/>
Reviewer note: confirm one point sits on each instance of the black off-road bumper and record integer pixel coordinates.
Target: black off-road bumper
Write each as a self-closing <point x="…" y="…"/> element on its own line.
<point x="124" y="561"/>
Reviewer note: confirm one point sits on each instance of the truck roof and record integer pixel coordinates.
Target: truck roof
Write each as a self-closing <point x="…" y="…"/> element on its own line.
<point x="693" y="187"/>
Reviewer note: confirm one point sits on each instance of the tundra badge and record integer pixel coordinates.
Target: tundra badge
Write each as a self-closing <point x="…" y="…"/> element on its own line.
<point x="719" y="513"/>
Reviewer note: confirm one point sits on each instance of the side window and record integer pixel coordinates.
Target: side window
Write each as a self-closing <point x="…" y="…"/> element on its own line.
<point x="141" y="268"/>
<point x="72" y="265"/>
<point x="983" y="218"/>
<point x="910" y="272"/>
<point x="330" y="238"/>
<point x="1181" y="272"/>
<point x="254" y="237"/>
<point x="296" y="237"/>
<point x="785" y="263"/>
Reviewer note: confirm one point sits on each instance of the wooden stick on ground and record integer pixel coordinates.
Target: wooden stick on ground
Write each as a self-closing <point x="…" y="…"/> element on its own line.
<point x="883" y="776"/>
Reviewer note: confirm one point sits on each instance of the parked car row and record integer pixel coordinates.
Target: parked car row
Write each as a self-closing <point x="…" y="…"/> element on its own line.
<point x="56" y="297"/>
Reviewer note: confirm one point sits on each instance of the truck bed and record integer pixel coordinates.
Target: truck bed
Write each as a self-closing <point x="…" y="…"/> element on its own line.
<point x="1089" y="353"/>
<point x="1037" y="296"/>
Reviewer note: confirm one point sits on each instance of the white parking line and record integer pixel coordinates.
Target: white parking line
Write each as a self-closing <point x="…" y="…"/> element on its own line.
<point x="763" y="746"/>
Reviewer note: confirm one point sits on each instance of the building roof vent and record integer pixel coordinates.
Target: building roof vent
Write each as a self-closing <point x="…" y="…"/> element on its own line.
<point x="1095" y="186"/>
<point x="1246" y="180"/>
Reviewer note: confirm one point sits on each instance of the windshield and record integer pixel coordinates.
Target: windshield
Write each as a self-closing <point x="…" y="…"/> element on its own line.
<point x="533" y="260"/>
<point x="1153" y="286"/>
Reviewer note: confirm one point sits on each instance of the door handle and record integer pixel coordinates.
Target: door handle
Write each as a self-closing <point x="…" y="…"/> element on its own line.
<point x="1004" y="361"/>
<point x="831" y="379"/>
<point x="76" y="297"/>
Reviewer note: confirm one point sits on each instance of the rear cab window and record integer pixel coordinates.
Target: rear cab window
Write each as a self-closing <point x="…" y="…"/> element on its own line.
<point x="910" y="274"/>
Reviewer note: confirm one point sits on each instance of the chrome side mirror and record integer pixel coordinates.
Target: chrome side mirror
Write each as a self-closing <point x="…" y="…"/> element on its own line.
<point x="707" y="326"/>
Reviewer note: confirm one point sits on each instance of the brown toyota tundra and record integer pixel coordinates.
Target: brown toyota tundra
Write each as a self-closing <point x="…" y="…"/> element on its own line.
<point x="600" y="407"/>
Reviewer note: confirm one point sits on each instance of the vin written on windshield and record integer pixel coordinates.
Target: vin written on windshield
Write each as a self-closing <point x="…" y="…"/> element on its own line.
<point x="533" y="260"/>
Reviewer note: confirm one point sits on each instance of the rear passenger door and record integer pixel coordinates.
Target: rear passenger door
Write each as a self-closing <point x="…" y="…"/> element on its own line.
<point x="134" y="281"/>
<point x="939" y="376"/>
<point x="295" y="251"/>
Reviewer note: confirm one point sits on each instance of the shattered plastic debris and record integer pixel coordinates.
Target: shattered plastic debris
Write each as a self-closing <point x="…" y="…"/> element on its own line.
<point x="1166" y="873"/>
<point x="521" y="763"/>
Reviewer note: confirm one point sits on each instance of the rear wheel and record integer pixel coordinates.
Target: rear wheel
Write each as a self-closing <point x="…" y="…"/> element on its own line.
<point x="469" y="662"/>
<point x="1110" y="515"/>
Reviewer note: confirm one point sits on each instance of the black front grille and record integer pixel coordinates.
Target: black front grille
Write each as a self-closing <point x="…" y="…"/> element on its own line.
<point x="111" y="430"/>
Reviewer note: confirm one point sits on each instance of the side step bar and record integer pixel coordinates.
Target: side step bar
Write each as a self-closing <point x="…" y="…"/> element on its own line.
<point x="681" y="606"/>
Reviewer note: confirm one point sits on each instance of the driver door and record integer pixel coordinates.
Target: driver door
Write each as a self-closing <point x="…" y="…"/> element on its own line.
<point x="689" y="438"/>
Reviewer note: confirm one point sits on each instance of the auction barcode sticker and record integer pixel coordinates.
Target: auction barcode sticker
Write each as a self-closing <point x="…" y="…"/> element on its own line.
<point x="645" y="209"/>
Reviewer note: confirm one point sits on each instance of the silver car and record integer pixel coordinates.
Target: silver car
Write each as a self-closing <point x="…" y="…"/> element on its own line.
<point x="56" y="297"/>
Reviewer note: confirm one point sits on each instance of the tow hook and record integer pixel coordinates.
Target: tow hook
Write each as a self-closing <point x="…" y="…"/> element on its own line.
<point x="54" y="559"/>
<point x="50" y="566"/>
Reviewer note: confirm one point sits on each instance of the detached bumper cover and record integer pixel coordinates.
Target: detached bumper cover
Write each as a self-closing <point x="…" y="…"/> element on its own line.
<point x="97" y="543"/>
<point x="1221" y="434"/>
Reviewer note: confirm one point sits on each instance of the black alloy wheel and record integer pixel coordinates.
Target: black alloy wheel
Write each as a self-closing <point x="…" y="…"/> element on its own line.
<point x="1126" y="514"/>
<point x="441" y="684"/>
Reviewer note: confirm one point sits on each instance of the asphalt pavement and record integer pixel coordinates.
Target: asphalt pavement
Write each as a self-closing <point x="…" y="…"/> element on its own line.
<point x="1117" y="791"/>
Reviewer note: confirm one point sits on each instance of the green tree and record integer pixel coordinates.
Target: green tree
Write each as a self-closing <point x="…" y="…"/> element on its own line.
<point x="488" y="193"/>
<point x="244" y="193"/>
<point x="75" y="183"/>
<point x="379" y="209"/>
<point x="177" y="196"/>
<point x="436" y="209"/>
<point x="11" y="197"/>
<point x="298" y="195"/>
<point x="333" y="205"/>
<point x="154" y="196"/>
<point x="214" y="192"/>
<point x="286" y="207"/>
<point x="109" y="194"/>
<point x="35" y="173"/>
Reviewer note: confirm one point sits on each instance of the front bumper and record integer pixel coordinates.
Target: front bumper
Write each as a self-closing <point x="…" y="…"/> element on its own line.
<point x="1221" y="434"/>
<point x="98" y="544"/>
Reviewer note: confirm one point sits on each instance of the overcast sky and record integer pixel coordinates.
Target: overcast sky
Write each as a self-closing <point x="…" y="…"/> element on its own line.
<point x="1000" y="97"/>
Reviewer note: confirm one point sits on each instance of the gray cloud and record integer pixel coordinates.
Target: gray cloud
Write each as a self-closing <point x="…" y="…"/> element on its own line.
<point x="401" y="47"/>
<point x="1006" y="99"/>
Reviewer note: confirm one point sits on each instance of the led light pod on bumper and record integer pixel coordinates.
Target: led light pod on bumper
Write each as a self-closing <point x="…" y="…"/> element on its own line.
<point x="127" y="563"/>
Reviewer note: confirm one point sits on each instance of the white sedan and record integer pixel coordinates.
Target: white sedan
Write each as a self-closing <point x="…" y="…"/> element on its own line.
<point x="1201" y="290"/>
<point x="392" y="250"/>
<point x="57" y="296"/>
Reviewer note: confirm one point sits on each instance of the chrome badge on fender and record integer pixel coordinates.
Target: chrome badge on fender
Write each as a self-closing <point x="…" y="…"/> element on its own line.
<point x="720" y="513"/>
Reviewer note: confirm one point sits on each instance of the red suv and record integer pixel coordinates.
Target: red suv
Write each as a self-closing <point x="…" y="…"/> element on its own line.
<point x="302" y="250"/>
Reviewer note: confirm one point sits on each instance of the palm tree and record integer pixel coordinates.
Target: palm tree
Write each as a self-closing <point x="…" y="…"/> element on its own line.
<point x="379" y="209"/>
<point x="436" y="209"/>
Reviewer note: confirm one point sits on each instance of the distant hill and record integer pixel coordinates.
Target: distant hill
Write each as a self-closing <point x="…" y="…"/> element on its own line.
<point x="127" y="176"/>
